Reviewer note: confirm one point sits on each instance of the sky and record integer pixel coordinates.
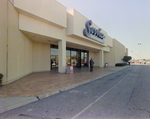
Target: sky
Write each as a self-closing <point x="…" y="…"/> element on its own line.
<point x="128" y="21"/>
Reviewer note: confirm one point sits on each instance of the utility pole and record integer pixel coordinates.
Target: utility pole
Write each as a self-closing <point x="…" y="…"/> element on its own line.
<point x="139" y="51"/>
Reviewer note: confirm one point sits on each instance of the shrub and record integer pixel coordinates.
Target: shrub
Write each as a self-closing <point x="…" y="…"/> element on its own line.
<point x="1" y="76"/>
<point x="127" y="58"/>
<point x="120" y="64"/>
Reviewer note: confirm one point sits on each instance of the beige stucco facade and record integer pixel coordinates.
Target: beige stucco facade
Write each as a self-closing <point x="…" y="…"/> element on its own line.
<point x="29" y="27"/>
<point x="116" y="54"/>
<point x="3" y="37"/>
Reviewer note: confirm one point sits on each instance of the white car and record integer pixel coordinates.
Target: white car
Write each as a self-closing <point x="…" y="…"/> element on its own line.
<point x="148" y="63"/>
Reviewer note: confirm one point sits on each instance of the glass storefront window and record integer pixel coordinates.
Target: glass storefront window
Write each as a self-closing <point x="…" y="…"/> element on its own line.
<point x="73" y="58"/>
<point x="54" y="61"/>
<point x="54" y="56"/>
<point x="54" y="51"/>
<point x="68" y="62"/>
<point x="82" y="59"/>
<point x="86" y="59"/>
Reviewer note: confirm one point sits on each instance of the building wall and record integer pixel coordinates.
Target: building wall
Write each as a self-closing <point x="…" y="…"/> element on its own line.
<point x="19" y="48"/>
<point x="21" y="54"/>
<point x="109" y="57"/>
<point x="3" y="38"/>
<point x="70" y="22"/>
<point x="35" y="26"/>
<point x="119" y="51"/>
<point x="24" y="55"/>
<point x="11" y="1"/>
<point x="116" y="54"/>
<point x="108" y="41"/>
<point x="126" y="53"/>
<point x="41" y="57"/>
<point x="78" y="24"/>
<point x="49" y="11"/>
<point x="96" y="59"/>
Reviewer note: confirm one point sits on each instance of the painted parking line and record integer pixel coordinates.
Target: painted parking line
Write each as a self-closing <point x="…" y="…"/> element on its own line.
<point x="78" y="114"/>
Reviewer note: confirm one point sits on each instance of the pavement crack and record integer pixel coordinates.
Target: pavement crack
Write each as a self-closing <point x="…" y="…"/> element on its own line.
<point x="144" y="110"/>
<point x="135" y="88"/>
<point x="131" y="96"/>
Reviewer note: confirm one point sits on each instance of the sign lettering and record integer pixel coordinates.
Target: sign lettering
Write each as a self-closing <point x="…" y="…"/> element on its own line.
<point x="93" y="33"/>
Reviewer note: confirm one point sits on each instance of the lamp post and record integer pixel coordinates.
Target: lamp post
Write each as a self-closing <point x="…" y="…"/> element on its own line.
<point x="139" y="51"/>
<point x="131" y="55"/>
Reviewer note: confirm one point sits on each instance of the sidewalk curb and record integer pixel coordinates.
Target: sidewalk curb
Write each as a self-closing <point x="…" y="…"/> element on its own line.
<point x="45" y="95"/>
<point x="19" y="104"/>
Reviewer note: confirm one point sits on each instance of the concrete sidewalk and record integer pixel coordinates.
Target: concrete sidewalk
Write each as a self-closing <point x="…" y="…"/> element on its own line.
<point x="8" y="103"/>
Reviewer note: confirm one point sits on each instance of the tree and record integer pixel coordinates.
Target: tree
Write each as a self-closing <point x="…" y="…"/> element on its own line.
<point x="127" y="58"/>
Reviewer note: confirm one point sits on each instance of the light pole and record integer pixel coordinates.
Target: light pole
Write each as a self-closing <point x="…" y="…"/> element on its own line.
<point x="139" y="51"/>
<point x="131" y="55"/>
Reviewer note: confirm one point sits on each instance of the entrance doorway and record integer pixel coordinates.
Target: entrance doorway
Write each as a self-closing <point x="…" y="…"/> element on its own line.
<point x="84" y="59"/>
<point x="75" y="57"/>
<point x="54" y="57"/>
<point x="54" y="61"/>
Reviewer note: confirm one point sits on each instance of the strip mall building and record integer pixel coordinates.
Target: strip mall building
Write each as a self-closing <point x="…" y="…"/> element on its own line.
<point x="39" y="35"/>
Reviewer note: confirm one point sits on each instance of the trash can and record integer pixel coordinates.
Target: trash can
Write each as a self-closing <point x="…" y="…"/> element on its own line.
<point x="69" y="69"/>
<point x="106" y="65"/>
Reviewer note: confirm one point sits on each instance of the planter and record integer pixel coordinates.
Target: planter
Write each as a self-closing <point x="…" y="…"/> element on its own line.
<point x="69" y="69"/>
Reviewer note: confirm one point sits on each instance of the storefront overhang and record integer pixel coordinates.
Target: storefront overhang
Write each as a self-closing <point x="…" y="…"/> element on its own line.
<point x="81" y="47"/>
<point x="86" y="40"/>
<point x="48" y="11"/>
<point x="78" y="43"/>
<point x="37" y="38"/>
<point x="34" y="27"/>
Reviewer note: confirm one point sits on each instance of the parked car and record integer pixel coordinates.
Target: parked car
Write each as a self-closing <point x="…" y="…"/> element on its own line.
<point x="148" y="63"/>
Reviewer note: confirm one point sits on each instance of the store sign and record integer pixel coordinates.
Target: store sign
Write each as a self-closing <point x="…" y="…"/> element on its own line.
<point x="93" y="33"/>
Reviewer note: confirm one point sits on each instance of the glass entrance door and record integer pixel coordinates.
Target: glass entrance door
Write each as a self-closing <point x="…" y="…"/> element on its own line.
<point x="84" y="59"/>
<point x="73" y="57"/>
<point x="54" y="61"/>
<point x="78" y="58"/>
<point x="54" y="57"/>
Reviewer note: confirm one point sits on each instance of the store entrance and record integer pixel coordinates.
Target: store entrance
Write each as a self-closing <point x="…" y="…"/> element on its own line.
<point x="54" y="61"/>
<point x="75" y="57"/>
<point x="54" y="57"/>
<point x="84" y="59"/>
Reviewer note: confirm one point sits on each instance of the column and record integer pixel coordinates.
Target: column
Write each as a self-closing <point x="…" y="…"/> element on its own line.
<point x="4" y="40"/>
<point x="101" y="54"/>
<point x="61" y="56"/>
